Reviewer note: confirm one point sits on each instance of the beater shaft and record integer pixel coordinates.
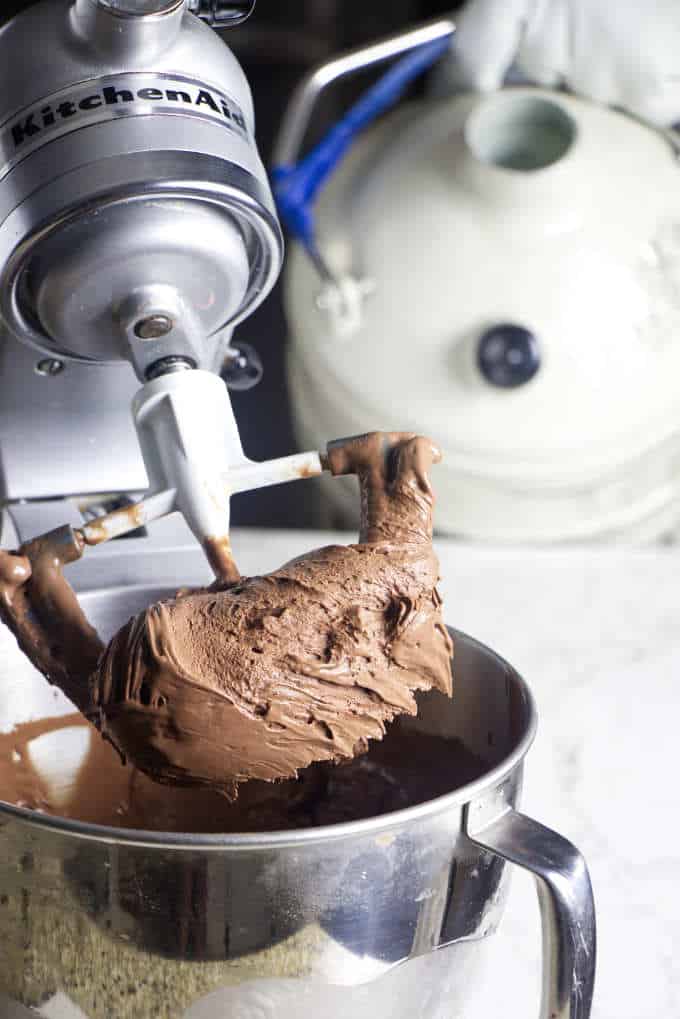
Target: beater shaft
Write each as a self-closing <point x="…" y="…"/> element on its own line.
<point x="242" y="479"/>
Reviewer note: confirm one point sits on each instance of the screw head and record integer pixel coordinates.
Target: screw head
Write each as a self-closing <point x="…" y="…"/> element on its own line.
<point x="153" y="327"/>
<point x="49" y="366"/>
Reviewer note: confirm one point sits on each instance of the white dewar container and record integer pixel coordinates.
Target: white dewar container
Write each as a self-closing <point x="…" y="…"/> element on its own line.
<point x="523" y="251"/>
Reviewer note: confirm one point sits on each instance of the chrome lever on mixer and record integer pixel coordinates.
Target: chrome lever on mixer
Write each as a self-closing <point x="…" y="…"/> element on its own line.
<point x="222" y="13"/>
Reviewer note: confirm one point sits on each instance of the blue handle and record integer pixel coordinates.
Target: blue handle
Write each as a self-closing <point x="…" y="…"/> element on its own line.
<point x="296" y="187"/>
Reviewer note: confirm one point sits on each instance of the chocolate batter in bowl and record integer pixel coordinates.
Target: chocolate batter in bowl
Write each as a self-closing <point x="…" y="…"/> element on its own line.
<point x="86" y="782"/>
<point x="410" y="765"/>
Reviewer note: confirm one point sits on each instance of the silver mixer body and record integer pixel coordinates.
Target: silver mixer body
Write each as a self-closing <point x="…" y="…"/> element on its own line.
<point x="136" y="131"/>
<point x="136" y="226"/>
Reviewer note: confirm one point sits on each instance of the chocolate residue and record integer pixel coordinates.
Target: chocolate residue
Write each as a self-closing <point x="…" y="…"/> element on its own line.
<point x="406" y="768"/>
<point x="131" y="517"/>
<point x="256" y="679"/>
<point x="221" y="558"/>
<point x="41" y="609"/>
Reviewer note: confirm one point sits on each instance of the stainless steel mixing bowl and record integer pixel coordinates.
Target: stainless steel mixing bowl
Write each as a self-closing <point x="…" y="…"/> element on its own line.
<point x="381" y="917"/>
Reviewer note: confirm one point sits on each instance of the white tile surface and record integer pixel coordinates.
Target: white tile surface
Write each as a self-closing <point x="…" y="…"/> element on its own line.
<point x="596" y="632"/>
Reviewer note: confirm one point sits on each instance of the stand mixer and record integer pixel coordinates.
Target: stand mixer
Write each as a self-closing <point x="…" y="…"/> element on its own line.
<point x="137" y="229"/>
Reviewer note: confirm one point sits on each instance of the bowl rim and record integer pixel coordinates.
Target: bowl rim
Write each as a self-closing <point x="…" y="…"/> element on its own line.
<point x="378" y="825"/>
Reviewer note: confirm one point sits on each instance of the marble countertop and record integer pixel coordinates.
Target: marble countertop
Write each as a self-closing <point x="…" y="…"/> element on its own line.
<point x="596" y="633"/>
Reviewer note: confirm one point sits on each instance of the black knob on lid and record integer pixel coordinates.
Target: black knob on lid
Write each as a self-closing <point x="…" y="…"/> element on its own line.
<point x="508" y="355"/>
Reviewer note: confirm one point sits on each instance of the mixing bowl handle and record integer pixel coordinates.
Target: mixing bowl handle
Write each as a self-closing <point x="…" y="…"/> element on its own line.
<point x="565" y="896"/>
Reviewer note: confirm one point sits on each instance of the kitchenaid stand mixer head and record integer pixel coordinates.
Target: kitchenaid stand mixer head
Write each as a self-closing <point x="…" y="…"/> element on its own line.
<point x="137" y="224"/>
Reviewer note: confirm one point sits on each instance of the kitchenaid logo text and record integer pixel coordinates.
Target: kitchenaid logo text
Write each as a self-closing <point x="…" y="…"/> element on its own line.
<point x="47" y="116"/>
<point x="111" y="98"/>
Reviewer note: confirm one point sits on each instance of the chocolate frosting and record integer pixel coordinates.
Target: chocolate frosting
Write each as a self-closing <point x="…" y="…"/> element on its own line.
<point x="42" y="611"/>
<point x="259" y="677"/>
